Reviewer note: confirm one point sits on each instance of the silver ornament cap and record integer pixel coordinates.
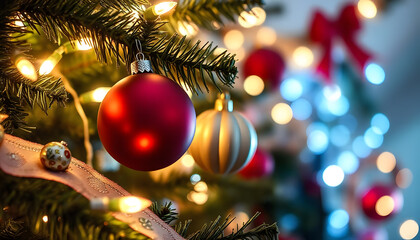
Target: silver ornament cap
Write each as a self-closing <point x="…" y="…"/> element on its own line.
<point x="141" y="66"/>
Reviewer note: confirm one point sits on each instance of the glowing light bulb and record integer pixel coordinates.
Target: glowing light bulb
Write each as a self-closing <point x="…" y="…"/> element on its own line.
<point x="260" y="14"/>
<point x="99" y="94"/>
<point x="187" y="29"/>
<point x="384" y="206"/>
<point x="49" y="64"/>
<point x="253" y="85"/>
<point x="198" y="198"/>
<point x="367" y="8"/>
<point x="163" y="7"/>
<point x="409" y="229"/>
<point x="386" y="162"/>
<point x="339" y="219"/>
<point x="282" y="113"/>
<point x="380" y="123"/>
<point x="45" y="218"/>
<point x="195" y="178"/>
<point x="375" y="74"/>
<point x="19" y="23"/>
<point x="27" y="69"/>
<point x="132" y="204"/>
<point x="291" y="89"/>
<point x="234" y="39"/>
<point x="201" y="187"/>
<point x="303" y="57"/>
<point x="266" y="36"/>
<point x="83" y="44"/>
<point x="247" y="19"/>
<point x="187" y="161"/>
<point x="333" y="176"/>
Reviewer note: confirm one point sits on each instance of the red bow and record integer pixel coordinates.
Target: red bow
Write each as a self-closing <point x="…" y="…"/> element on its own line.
<point x="346" y="26"/>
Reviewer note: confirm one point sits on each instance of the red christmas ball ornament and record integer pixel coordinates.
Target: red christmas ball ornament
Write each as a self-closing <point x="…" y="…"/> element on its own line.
<point x="266" y="64"/>
<point x="146" y="121"/>
<point x="381" y="202"/>
<point x="262" y="164"/>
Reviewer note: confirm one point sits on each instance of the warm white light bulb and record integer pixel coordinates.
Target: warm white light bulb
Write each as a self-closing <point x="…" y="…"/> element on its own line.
<point x="281" y="113"/>
<point x="234" y="39"/>
<point x="132" y="204"/>
<point x="83" y="44"/>
<point x="27" y="69"/>
<point x="46" y="67"/>
<point x="303" y="57"/>
<point x="253" y="85"/>
<point x="367" y="8"/>
<point x="163" y="7"/>
<point x="99" y="94"/>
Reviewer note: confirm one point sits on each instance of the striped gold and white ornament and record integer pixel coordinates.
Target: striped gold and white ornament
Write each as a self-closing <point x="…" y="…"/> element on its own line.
<point x="224" y="140"/>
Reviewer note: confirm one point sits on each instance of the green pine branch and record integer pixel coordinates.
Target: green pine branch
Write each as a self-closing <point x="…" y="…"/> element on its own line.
<point x="114" y="33"/>
<point x="27" y="200"/>
<point x="205" y="13"/>
<point x="215" y="230"/>
<point x="165" y="212"/>
<point x="15" y="89"/>
<point x="69" y="216"/>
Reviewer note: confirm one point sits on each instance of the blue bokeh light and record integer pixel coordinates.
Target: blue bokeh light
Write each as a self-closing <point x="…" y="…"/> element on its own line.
<point x="372" y="138"/>
<point x="338" y="219"/>
<point x="317" y="141"/>
<point x="360" y="148"/>
<point x="291" y="89"/>
<point x="348" y="161"/>
<point x="302" y="109"/>
<point x="375" y="74"/>
<point x="380" y="123"/>
<point x="340" y="135"/>
<point x="338" y="107"/>
<point x="195" y="178"/>
<point x="316" y="126"/>
<point x="338" y="222"/>
<point x="289" y="222"/>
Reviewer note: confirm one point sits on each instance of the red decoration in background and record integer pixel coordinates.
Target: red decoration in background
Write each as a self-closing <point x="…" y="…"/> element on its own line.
<point x="262" y="164"/>
<point x="372" y="195"/>
<point x="146" y="122"/>
<point x="323" y="31"/>
<point x="266" y="64"/>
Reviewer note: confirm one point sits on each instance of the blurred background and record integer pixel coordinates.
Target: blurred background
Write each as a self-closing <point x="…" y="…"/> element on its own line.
<point x="331" y="88"/>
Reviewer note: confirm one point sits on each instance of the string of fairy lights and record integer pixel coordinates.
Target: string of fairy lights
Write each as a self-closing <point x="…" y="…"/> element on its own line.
<point x="328" y="103"/>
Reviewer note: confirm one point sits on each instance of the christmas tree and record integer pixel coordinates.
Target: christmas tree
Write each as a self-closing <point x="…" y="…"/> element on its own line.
<point x="214" y="143"/>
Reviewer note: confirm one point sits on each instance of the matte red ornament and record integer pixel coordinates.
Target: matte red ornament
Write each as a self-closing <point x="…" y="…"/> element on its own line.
<point x="372" y="195"/>
<point x="266" y="64"/>
<point x="146" y="122"/>
<point x="261" y="165"/>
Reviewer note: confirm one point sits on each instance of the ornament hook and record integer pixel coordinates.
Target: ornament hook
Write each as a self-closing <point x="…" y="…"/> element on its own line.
<point x="140" y="50"/>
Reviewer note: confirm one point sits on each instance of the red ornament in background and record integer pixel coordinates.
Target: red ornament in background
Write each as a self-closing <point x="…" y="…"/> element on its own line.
<point x="262" y="164"/>
<point x="266" y="64"/>
<point x="146" y="122"/>
<point x="381" y="202"/>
